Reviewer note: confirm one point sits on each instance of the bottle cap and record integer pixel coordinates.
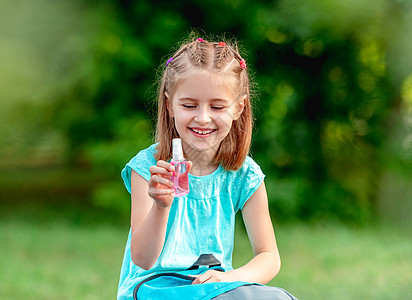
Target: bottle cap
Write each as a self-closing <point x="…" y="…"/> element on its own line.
<point x="177" y="149"/>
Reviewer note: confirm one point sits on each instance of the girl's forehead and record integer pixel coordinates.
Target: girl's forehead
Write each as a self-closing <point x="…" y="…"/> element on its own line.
<point x="207" y="84"/>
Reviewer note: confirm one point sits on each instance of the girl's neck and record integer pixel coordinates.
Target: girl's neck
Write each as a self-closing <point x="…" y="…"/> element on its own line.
<point x="202" y="164"/>
<point x="202" y="161"/>
<point x="202" y="170"/>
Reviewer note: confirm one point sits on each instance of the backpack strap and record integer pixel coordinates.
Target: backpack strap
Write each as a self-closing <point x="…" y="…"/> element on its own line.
<point x="205" y="260"/>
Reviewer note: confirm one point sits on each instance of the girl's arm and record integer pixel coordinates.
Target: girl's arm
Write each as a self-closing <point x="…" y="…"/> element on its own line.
<point x="151" y="202"/>
<point x="265" y="264"/>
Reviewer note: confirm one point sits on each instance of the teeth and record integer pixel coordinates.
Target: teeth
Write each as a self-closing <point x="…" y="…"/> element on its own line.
<point x="202" y="132"/>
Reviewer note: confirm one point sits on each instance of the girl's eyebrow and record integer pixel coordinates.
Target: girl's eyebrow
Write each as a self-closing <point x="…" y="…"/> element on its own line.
<point x="187" y="98"/>
<point x="212" y="100"/>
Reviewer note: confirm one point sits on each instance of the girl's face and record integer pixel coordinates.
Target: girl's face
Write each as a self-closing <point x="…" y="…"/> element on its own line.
<point x="203" y="109"/>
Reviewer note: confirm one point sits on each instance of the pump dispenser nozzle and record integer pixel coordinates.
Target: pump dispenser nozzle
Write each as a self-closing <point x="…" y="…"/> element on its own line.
<point x="177" y="150"/>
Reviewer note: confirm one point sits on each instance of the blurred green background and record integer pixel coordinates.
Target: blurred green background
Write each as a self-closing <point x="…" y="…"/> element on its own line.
<point x="333" y="134"/>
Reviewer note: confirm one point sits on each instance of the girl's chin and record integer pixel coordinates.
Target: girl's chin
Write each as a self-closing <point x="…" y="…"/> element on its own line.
<point x="203" y="146"/>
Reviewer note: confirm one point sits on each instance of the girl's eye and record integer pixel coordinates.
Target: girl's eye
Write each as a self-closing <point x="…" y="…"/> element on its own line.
<point x="189" y="106"/>
<point x="192" y="106"/>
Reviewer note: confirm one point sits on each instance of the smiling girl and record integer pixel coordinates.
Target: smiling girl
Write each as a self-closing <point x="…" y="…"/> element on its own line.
<point x="204" y="99"/>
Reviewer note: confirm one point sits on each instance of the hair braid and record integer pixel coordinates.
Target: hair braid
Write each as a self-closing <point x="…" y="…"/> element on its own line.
<point x="180" y="51"/>
<point x="222" y="54"/>
<point x="225" y="62"/>
<point x="194" y="54"/>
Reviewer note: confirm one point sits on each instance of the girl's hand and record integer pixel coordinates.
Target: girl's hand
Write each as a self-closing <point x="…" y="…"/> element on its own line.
<point x="214" y="276"/>
<point x="160" y="185"/>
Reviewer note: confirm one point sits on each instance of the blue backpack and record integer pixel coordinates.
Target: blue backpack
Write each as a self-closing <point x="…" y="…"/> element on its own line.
<point x="178" y="285"/>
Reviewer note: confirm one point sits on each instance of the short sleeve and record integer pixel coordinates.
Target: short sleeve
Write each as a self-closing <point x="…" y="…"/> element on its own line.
<point x="251" y="179"/>
<point x="141" y="163"/>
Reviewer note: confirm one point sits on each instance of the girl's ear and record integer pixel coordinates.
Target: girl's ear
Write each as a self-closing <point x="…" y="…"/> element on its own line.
<point x="240" y="105"/>
<point x="169" y="104"/>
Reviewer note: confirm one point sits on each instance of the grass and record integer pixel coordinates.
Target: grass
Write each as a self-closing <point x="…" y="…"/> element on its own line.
<point x="336" y="262"/>
<point x="59" y="261"/>
<point x="58" y="258"/>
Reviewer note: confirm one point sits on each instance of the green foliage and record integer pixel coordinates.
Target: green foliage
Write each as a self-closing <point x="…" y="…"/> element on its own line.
<point x="109" y="155"/>
<point x="333" y="77"/>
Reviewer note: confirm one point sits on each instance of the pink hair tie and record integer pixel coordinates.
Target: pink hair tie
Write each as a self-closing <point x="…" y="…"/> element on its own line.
<point x="243" y="63"/>
<point x="169" y="61"/>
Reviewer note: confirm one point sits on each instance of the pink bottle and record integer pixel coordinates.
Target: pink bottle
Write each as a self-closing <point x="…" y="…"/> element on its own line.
<point x="180" y="177"/>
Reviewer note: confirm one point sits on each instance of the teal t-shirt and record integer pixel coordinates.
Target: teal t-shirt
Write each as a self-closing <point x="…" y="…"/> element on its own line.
<point x="200" y="222"/>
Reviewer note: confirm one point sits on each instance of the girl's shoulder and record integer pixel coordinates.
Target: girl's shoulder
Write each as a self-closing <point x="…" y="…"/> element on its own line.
<point x="140" y="163"/>
<point x="249" y="167"/>
<point x="147" y="154"/>
<point x="248" y="175"/>
<point x="144" y="157"/>
<point x="244" y="182"/>
<point x="250" y="163"/>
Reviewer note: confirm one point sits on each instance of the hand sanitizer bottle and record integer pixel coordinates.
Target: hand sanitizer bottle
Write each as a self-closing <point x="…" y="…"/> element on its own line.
<point x="180" y="177"/>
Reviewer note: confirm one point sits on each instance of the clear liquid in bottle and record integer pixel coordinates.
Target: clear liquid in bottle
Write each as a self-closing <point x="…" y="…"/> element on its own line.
<point x="180" y="177"/>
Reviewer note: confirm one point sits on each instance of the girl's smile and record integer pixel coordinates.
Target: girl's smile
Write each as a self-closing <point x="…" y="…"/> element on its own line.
<point x="202" y="132"/>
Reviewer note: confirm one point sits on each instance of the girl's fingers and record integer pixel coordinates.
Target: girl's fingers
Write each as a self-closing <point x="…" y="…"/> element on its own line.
<point x="160" y="184"/>
<point x="202" y="278"/>
<point x="168" y="166"/>
<point x="161" y="180"/>
<point x="160" y="192"/>
<point x="161" y="171"/>
<point x="211" y="276"/>
<point x="161" y="189"/>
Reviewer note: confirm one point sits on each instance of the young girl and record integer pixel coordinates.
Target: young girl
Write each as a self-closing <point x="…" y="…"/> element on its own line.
<point x="204" y="99"/>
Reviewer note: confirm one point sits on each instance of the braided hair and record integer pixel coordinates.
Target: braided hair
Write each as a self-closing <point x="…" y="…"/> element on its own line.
<point x="219" y="58"/>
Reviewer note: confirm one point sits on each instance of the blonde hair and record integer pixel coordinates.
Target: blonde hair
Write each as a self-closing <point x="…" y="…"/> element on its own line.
<point x="222" y="59"/>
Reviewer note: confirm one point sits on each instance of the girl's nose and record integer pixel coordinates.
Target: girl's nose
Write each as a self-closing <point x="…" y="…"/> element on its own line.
<point x="203" y="116"/>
